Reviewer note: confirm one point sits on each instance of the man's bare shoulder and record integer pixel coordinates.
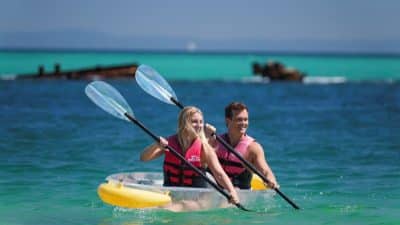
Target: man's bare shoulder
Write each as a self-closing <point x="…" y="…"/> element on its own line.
<point x="255" y="147"/>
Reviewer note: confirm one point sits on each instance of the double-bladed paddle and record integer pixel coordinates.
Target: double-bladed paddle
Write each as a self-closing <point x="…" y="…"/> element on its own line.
<point x="155" y="85"/>
<point x="110" y="100"/>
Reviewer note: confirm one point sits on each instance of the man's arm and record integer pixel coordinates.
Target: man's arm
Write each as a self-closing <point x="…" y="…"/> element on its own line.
<point x="257" y="158"/>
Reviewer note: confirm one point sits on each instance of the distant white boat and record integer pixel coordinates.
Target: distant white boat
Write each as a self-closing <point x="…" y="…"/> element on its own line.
<point x="256" y="79"/>
<point x="8" y="76"/>
<point x="306" y="80"/>
<point x="324" y="80"/>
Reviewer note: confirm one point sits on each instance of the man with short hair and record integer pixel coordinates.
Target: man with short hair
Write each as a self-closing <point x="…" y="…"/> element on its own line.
<point x="237" y="122"/>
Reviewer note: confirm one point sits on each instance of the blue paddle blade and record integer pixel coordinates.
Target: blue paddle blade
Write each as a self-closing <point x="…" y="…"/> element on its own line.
<point x="108" y="98"/>
<point x="154" y="84"/>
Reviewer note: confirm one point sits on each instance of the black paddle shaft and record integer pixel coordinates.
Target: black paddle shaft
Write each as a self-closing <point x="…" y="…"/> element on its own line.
<point x="249" y="165"/>
<point x="197" y="170"/>
<point x="177" y="103"/>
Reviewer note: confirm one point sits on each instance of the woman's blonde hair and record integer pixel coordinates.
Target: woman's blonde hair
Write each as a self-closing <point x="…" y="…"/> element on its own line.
<point x="186" y="133"/>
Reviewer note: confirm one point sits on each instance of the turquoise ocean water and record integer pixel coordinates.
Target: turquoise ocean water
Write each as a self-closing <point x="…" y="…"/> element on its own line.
<point x="333" y="147"/>
<point x="203" y="66"/>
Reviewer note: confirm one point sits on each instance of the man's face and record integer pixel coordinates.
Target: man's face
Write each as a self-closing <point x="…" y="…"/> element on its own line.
<point x="239" y="121"/>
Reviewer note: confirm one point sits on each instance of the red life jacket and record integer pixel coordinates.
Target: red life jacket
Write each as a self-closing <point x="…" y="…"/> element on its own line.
<point x="232" y="165"/>
<point x="177" y="172"/>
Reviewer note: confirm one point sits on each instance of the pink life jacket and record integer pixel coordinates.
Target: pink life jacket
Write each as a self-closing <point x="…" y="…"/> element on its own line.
<point x="232" y="165"/>
<point x="177" y="172"/>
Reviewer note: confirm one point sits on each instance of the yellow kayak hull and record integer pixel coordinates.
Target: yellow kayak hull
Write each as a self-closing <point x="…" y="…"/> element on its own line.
<point x="145" y="190"/>
<point x="257" y="184"/>
<point x="117" y="194"/>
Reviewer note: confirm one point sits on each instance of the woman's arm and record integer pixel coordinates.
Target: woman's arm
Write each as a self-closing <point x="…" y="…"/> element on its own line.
<point x="154" y="151"/>
<point x="220" y="175"/>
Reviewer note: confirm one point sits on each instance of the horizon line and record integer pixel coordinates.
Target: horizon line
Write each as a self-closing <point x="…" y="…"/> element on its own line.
<point x="206" y="51"/>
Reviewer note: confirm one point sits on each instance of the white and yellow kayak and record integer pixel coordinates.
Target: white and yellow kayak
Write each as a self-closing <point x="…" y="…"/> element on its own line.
<point x="146" y="190"/>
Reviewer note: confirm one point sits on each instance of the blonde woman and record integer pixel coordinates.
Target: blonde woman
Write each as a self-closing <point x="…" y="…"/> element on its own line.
<point x="191" y="142"/>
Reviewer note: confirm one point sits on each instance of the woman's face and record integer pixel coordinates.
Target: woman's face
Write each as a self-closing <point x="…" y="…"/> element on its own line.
<point x="197" y="122"/>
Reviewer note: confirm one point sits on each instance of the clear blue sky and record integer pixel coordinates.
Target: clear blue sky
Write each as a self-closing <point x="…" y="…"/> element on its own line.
<point x="284" y="25"/>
